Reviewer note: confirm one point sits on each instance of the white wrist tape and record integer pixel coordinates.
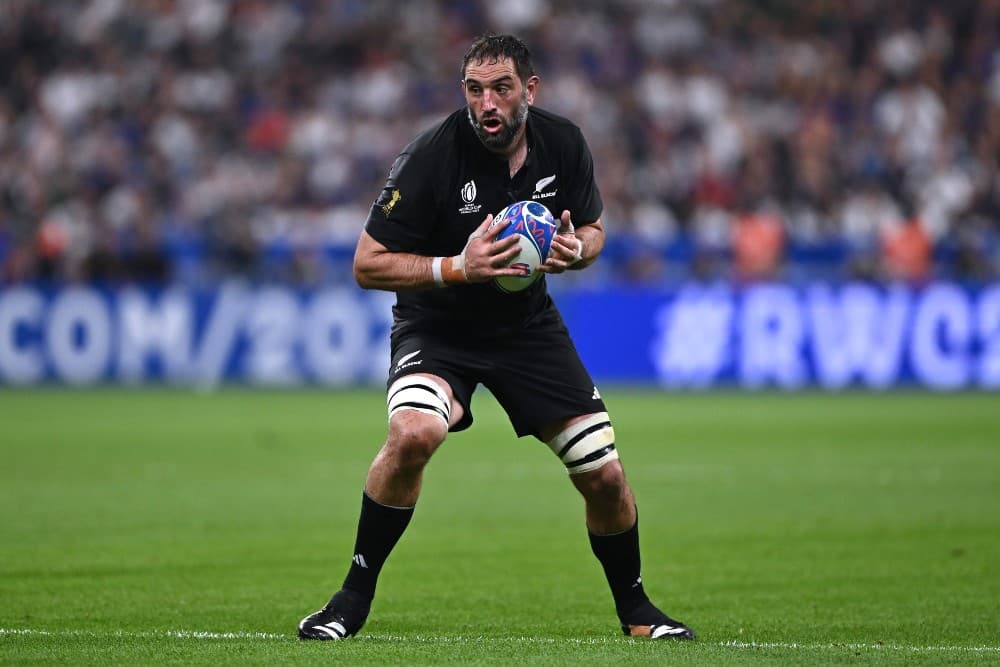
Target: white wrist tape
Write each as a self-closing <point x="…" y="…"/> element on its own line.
<point x="448" y="270"/>
<point x="436" y="271"/>
<point x="579" y="252"/>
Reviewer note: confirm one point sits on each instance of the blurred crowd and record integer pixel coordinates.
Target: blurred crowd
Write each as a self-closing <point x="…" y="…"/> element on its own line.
<point x="189" y="140"/>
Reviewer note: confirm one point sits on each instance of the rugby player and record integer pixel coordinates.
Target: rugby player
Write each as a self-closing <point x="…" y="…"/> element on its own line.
<point x="427" y="238"/>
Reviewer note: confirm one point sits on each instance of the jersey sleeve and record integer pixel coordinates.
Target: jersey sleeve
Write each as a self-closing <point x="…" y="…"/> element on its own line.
<point x="584" y="193"/>
<point x="401" y="216"/>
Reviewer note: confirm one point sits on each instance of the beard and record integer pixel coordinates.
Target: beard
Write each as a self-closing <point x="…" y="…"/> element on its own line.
<point x="504" y="139"/>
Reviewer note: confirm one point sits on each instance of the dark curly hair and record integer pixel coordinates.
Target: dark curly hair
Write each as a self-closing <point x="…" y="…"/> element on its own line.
<point x="492" y="48"/>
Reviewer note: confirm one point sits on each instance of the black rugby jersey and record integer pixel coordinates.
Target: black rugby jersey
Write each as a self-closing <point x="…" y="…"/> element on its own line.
<point x="443" y="185"/>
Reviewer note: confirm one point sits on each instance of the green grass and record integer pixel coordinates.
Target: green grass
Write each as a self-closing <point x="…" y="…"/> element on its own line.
<point x="793" y="529"/>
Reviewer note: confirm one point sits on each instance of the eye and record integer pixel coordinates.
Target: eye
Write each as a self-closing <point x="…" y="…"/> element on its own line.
<point x="502" y="89"/>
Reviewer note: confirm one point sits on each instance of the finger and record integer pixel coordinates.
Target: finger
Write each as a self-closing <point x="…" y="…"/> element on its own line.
<point x="557" y="261"/>
<point x="507" y="254"/>
<point x="496" y="248"/>
<point x="499" y="258"/>
<point x="552" y="266"/>
<point x="560" y="249"/>
<point x="566" y="223"/>
<point x="492" y="232"/>
<point x="508" y="271"/>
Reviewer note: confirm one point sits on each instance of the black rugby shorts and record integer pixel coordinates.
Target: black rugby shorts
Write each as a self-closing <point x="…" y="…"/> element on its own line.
<point x="536" y="374"/>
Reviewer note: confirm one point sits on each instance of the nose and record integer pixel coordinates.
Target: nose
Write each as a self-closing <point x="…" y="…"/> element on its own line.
<point x="488" y="103"/>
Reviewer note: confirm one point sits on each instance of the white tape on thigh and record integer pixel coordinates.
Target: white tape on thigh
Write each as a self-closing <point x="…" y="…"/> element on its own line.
<point x="413" y="392"/>
<point x="586" y="445"/>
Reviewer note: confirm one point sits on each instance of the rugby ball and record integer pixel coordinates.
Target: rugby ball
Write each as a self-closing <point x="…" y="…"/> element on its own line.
<point x="534" y="226"/>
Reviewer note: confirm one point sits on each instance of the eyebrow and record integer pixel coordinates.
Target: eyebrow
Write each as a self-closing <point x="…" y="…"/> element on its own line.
<point x="502" y="79"/>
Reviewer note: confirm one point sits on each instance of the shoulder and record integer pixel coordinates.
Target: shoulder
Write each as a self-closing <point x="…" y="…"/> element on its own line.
<point x="439" y="138"/>
<point x="552" y="125"/>
<point x="418" y="164"/>
<point x="560" y="136"/>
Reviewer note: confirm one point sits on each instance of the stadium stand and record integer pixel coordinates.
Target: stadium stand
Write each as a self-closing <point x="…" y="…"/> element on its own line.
<point x="188" y="140"/>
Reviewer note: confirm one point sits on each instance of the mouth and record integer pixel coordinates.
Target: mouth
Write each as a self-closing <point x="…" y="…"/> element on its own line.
<point x="492" y="124"/>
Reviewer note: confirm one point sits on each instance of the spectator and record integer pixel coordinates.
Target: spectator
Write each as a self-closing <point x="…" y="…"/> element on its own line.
<point x="758" y="245"/>
<point x="906" y="252"/>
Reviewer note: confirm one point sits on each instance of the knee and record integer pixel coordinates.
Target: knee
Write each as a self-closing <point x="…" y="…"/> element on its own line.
<point x="604" y="485"/>
<point x="413" y="439"/>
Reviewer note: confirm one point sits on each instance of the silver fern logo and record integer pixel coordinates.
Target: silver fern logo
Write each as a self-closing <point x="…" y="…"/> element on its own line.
<point x="541" y="184"/>
<point x="404" y="361"/>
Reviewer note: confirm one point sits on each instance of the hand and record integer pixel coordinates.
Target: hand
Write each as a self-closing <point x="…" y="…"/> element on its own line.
<point x="566" y="249"/>
<point x="484" y="257"/>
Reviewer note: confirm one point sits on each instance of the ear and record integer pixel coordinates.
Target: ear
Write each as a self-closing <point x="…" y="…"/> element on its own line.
<point x="531" y="87"/>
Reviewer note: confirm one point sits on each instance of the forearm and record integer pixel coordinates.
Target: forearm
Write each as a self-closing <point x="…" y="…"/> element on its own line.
<point x="394" y="271"/>
<point x="483" y="258"/>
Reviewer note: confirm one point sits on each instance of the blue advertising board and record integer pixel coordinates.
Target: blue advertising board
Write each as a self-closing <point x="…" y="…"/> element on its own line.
<point x="942" y="336"/>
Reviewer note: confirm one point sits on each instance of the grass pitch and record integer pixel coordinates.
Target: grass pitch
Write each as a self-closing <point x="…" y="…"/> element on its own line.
<point x="172" y="527"/>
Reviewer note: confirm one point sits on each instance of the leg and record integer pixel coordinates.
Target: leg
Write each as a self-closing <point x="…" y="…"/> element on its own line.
<point x="608" y="500"/>
<point x="391" y="491"/>
<point x="395" y="475"/>
<point x="421" y="408"/>
<point x="586" y="446"/>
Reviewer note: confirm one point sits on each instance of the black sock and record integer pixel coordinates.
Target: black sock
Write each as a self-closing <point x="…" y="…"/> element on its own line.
<point x="619" y="555"/>
<point x="379" y="528"/>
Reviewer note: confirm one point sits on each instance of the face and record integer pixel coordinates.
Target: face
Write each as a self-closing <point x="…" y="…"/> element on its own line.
<point x="497" y="102"/>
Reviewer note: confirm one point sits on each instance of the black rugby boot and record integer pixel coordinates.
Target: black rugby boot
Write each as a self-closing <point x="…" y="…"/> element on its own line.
<point x="342" y="617"/>
<point x="648" y="621"/>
